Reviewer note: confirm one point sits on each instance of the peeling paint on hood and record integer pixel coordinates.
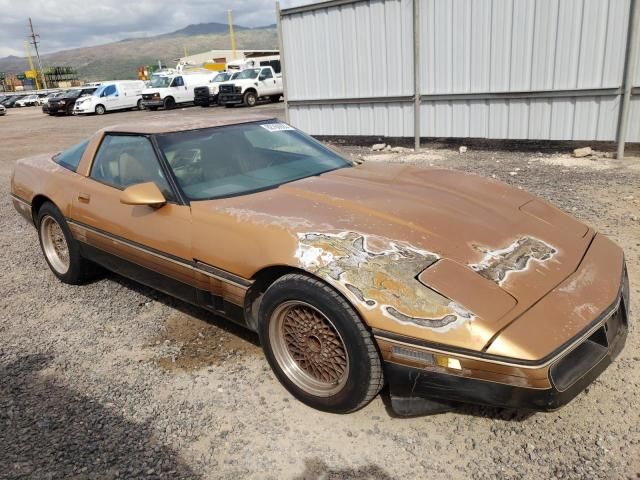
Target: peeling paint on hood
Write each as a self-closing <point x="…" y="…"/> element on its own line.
<point x="380" y="273"/>
<point x="498" y="264"/>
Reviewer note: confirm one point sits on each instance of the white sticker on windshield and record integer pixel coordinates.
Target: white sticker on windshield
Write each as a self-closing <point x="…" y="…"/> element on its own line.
<point x="276" y="127"/>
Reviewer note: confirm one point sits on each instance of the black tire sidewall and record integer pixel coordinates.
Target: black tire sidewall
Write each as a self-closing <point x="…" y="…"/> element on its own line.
<point x="169" y="103"/>
<point x="249" y="95"/>
<point x="303" y="288"/>
<point x="77" y="265"/>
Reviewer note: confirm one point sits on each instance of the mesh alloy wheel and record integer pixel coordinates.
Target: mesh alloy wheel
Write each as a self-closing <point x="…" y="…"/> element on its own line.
<point x="308" y="348"/>
<point x="54" y="244"/>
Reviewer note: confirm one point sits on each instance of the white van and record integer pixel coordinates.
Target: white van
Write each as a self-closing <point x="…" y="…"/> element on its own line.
<point x="110" y="96"/>
<point x="171" y="89"/>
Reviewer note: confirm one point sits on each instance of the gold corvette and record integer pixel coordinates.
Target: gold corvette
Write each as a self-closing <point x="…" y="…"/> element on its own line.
<point x="446" y="286"/>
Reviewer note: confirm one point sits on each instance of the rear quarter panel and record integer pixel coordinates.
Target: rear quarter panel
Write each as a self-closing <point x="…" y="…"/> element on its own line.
<point x="40" y="175"/>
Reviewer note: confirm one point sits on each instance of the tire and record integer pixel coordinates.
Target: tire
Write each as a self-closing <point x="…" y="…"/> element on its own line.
<point x="169" y="103"/>
<point x="69" y="110"/>
<point x="250" y="99"/>
<point x="56" y="239"/>
<point x="140" y="105"/>
<point x="100" y="110"/>
<point x="340" y="370"/>
<point x="274" y="98"/>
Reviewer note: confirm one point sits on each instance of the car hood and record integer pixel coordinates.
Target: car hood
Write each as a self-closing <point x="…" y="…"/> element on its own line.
<point x="431" y="253"/>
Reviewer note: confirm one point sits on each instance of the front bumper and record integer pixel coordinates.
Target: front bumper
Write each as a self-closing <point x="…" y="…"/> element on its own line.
<point x="152" y="103"/>
<point x="53" y="109"/>
<point x="81" y="109"/>
<point x="205" y="101"/>
<point x="230" y="98"/>
<point x="428" y="389"/>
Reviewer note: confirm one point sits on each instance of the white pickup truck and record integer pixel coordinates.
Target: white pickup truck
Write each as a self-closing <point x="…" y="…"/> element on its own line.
<point x="207" y="96"/>
<point x="249" y="85"/>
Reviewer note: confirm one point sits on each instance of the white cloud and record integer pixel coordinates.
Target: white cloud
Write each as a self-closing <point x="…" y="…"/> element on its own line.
<point x="64" y="24"/>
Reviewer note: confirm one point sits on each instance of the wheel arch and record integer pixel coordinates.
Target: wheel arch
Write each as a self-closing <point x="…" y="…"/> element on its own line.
<point x="265" y="277"/>
<point x="36" y="205"/>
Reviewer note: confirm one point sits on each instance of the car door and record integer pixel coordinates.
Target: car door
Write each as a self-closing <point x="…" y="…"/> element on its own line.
<point x="267" y="82"/>
<point x="180" y="90"/>
<point x="151" y="245"/>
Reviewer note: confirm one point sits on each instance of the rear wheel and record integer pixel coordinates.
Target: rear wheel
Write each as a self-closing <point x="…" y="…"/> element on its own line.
<point x="250" y="99"/>
<point x="100" y="110"/>
<point x="61" y="251"/>
<point x="169" y="103"/>
<point x="274" y="98"/>
<point x="317" y="345"/>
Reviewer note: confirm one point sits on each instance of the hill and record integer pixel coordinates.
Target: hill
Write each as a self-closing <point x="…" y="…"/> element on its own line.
<point x="204" y="29"/>
<point x="121" y="59"/>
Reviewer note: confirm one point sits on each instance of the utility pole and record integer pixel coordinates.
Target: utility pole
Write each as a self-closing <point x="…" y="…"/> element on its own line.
<point x="35" y="42"/>
<point x="231" y="35"/>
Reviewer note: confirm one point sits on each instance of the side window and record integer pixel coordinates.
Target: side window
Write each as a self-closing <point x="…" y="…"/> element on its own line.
<point x="110" y="91"/>
<point x="275" y="64"/>
<point x="266" y="73"/>
<point x="124" y="160"/>
<point x="178" y="82"/>
<point x="71" y="157"/>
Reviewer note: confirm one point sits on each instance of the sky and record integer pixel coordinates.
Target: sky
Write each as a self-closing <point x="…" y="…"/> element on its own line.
<point x="64" y="24"/>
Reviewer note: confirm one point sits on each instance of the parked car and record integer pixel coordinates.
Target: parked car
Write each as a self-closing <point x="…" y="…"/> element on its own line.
<point x="3" y="111"/>
<point x="441" y="284"/>
<point x="112" y="96"/>
<point x="27" y="101"/>
<point x="249" y="86"/>
<point x="63" y="104"/>
<point x="206" y="96"/>
<point x="172" y="89"/>
<point x="12" y="100"/>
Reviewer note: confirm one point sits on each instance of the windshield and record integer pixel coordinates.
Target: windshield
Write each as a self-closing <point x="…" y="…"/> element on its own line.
<point x="221" y="77"/>
<point x="73" y="93"/>
<point x="160" y="82"/>
<point x="248" y="73"/>
<point x="241" y="159"/>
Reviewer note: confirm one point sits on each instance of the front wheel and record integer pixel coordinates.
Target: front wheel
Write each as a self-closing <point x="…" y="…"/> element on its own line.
<point x="169" y="103"/>
<point x="140" y="105"/>
<point x="250" y="99"/>
<point x="317" y="345"/>
<point x="61" y="251"/>
<point x="100" y="110"/>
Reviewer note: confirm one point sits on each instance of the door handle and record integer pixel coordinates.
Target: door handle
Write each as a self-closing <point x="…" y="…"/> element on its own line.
<point x="84" y="197"/>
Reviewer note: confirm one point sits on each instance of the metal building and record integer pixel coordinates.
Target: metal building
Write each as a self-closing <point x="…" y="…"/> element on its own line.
<point x="501" y="69"/>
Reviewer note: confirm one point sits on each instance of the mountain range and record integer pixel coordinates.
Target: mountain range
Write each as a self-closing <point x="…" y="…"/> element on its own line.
<point x="121" y="59"/>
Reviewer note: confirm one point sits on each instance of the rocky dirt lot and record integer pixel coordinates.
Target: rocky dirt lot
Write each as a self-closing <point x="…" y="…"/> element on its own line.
<point x="113" y="380"/>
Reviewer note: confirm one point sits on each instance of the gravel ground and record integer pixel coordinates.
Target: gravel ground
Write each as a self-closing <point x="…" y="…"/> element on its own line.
<point x="113" y="380"/>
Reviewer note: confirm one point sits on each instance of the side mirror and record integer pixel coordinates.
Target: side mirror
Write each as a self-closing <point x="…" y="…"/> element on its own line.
<point x="143" y="194"/>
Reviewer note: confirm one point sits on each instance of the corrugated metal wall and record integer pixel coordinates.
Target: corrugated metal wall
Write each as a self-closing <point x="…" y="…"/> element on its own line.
<point x="504" y="69"/>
